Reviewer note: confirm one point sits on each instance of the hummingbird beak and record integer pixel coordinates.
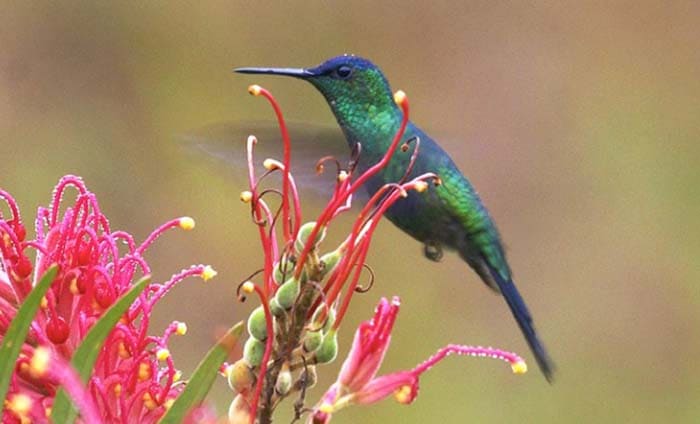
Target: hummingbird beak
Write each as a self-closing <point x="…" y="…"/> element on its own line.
<point x="289" y="72"/>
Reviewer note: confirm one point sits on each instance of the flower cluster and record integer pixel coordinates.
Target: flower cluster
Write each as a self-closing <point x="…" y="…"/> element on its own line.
<point x="305" y="293"/>
<point x="134" y="378"/>
<point x="357" y="382"/>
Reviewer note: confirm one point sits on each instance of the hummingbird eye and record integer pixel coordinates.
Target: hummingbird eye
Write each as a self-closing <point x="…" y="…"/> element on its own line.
<point x="343" y="71"/>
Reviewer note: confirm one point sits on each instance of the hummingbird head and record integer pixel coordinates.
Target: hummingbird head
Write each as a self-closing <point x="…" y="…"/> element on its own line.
<point x="355" y="89"/>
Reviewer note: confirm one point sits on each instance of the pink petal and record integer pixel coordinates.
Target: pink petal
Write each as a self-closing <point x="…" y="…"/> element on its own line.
<point x="383" y="386"/>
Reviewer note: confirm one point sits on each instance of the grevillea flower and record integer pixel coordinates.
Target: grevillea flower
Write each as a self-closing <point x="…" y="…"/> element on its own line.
<point x="301" y="285"/>
<point x="134" y="379"/>
<point x="357" y="381"/>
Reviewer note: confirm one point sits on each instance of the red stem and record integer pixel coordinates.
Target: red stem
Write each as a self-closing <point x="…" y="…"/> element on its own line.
<point x="266" y="355"/>
<point x="287" y="156"/>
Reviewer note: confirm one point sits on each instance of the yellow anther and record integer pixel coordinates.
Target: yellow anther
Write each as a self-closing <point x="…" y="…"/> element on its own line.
<point x="181" y="328"/>
<point x="254" y="89"/>
<point x="270" y="164"/>
<point x="144" y="371"/>
<point x="20" y="404"/>
<point x="342" y="176"/>
<point x="421" y="186"/>
<point x="44" y="302"/>
<point x="123" y="351"/>
<point x="148" y="401"/>
<point x="403" y="394"/>
<point x="519" y="367"/>
<point x="169" y="403"/>
<point x="177" y="376"/>
<point x="74" y="286"/>
<point x="39" y="362"/>
<point x="399" y="97"/>
<point x="326" y="408"/>
<point x="117" y="389"/>
<point x="186" y="223"/>
<point x="246" y="196"/>
<point x="47" y="411"/>
<point x="248" y="287"/>
<point x="208" y="273"/>
<point x="162" y="354"/>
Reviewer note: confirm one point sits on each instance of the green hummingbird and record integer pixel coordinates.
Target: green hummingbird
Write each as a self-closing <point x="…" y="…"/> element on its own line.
<point x="452" y="215"/>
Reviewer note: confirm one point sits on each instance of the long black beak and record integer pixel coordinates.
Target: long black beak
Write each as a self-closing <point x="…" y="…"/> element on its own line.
<point x="289" y="72"/>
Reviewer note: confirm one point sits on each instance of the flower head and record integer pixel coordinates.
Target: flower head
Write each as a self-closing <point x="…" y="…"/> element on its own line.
<point x="307" y="292"/>
<point x="134" y="378"/>
<point x="357" y="381"/>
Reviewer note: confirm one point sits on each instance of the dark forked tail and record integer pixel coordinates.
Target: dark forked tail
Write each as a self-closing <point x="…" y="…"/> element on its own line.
<point x="522" y="316"/>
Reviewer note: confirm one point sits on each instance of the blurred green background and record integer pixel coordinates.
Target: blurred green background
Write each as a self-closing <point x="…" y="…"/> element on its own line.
<point x="577" y="121"/>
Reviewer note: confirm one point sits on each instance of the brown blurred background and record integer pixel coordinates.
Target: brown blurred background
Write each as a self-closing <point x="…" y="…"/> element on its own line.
<point x="577" y="121"/>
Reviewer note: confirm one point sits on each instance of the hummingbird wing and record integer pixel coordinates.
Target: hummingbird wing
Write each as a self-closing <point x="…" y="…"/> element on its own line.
<point x="225" y="142"/>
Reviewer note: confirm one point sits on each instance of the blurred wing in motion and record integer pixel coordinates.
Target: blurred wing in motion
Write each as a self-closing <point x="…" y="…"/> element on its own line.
<point x="226" y="143"/>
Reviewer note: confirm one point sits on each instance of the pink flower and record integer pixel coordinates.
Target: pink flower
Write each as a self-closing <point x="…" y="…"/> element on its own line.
<point x="134" y="378"/>
<point x="357" y="381"/>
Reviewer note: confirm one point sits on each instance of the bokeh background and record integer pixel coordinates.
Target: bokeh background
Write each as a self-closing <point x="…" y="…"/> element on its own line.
<point x="577" y="121"/>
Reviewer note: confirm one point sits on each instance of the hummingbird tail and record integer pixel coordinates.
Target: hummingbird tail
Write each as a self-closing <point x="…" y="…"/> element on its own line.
<point x="522" y="316"/>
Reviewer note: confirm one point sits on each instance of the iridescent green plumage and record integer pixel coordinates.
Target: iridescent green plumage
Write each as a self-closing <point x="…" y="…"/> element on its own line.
<point x="449" y="216"/>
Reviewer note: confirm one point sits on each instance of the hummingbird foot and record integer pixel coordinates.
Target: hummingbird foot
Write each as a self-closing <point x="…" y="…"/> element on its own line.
<point x="433" y="251"/>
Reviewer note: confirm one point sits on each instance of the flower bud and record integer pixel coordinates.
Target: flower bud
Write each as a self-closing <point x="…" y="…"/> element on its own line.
<point x="309" y="377"/>
<point x="305" y="232"/>
<point x="330" y="260"/>
<point x="284" y="269"/>
<point x="57" y="330"/>
<point x="239" y="411"/>
<point x="312" y="340"/>
<point x="328" y="318"/>
<point x="329" y="348"/>
<point x="287" y="293"/>
<point x="275" y="308"/>
<point x="284" y="380"/>
<point x="253" y="351"/>
<point x="257" y="325"/>
<point x="241" y="378"/>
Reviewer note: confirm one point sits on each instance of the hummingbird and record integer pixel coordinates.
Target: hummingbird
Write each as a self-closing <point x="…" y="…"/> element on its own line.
<point x="449" y="217"/>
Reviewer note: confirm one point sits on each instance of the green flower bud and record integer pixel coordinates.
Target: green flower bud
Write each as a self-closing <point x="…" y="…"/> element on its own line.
<point x="284" y="380"/>
<point x="287" y="293"/>
<point x="328" y="350"/>
<point x="312" y="340"/>
<point x="330" y="260"/>
<point x="257" y="326"/>
<point x="275" y="308"/>
<point x="240" y="377"/>
<point x="253" y="351"/>
<point x="327" y="321"/>
<point x="284" y="269"/>
<point x="305" y="232"/>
